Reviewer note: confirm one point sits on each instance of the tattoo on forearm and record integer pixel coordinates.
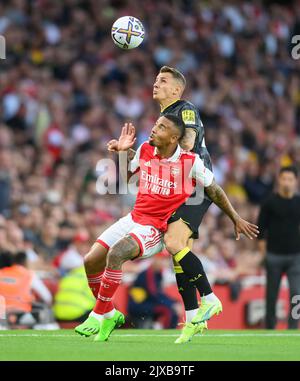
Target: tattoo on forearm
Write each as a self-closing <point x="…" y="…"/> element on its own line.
<point x="219" y="197"/>
<point x="124" y="250"/>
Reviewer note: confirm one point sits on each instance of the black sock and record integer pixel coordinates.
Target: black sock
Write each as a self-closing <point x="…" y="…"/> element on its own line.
<point x="192" y="267"/>
<point x="187" y="291"/>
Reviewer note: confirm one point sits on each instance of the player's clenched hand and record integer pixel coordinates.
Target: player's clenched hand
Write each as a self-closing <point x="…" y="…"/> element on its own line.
<point x="126" y="139"/>
<point x="244" y="227"/>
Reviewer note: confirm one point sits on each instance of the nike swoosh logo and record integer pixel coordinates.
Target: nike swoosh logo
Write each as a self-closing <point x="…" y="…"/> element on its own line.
<point x="206" y="315"/>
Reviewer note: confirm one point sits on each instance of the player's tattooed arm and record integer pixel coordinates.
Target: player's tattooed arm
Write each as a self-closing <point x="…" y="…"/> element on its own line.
<point x="124" y="250"/>
<point x="188" y="141"/>
<point x="123" y="146"/>
<point x="219" y="197"/>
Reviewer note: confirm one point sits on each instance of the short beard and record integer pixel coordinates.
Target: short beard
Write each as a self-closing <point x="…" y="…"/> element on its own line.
<point x="152" y="143"/>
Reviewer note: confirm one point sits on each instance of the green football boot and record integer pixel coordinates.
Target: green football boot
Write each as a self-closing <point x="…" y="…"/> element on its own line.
<point x="91" y="326"/>
<point x="207" y="310"/>
<point x="189" y="330"/>
<point x="108" y="325"/>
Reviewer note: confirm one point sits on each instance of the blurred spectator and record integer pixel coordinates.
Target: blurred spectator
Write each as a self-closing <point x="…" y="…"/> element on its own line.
<point x="47" y="240"/>
<point x="5" y="179"/>
<point x="18" y="286"/>
<point x="65" y="235"/>
<point x="72" y="256"/>
<point x="147" y="301"/>
<point x="73" y="300"/>
<point x="224" y="265"/>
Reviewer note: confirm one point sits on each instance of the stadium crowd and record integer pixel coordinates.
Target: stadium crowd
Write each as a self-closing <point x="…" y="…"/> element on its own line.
<point x="66" y="90"/>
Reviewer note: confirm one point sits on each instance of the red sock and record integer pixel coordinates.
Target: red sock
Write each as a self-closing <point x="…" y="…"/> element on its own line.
<point x="94" y="282"/>
<point x="109" y="284"/>
<point x="109" y="307"/>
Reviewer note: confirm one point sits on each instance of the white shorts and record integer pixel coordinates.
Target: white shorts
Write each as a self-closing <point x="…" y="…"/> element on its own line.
<point x="149" y="239"/>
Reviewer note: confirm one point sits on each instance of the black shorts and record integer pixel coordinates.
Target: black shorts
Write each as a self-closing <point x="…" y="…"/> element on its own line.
<point x="191" y="215"/>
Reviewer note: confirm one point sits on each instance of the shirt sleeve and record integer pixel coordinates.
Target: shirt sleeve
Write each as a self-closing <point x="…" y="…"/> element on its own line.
<point x="191" y="118"/>
<point x="202" y="174"/>
<point x="263" y="221"/>
<point x="134" y="164"/>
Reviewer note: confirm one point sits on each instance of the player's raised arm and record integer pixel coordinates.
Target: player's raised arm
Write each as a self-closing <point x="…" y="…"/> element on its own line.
<point x="126" y="139"/>
<point x="128" y="158"/>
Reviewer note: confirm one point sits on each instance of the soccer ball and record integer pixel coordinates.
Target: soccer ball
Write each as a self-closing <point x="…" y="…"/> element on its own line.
<point x="127" y="32"/>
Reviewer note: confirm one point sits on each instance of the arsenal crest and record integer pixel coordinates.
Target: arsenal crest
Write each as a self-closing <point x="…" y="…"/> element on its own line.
<point x="175" y="171"/>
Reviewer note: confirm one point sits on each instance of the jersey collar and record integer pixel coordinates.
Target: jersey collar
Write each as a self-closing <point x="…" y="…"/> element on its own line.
<point x="174" y="157"/>
<point x="164" y="108"/>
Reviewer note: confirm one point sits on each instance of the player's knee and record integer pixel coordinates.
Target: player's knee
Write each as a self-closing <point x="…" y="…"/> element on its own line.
<point x="174" y="244"/>
<point x="93" y="263"/>
<point x="88" y="263"/>
<point x="116" y="257"/>
<point x="112" y="254"/>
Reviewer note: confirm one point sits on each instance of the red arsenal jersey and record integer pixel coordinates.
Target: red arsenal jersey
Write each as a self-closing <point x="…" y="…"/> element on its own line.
<point x="165" y="184"/>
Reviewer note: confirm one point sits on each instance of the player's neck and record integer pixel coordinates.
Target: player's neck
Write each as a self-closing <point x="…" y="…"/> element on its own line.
<point x="167" y="102"/>
<point x="166" y="152"/>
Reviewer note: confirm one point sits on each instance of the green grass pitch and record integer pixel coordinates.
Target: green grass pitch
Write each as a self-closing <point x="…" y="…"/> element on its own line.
<point x="150" y="345"/>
